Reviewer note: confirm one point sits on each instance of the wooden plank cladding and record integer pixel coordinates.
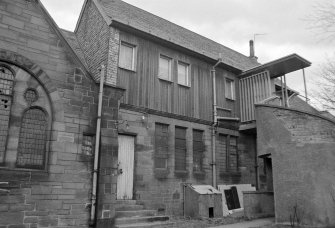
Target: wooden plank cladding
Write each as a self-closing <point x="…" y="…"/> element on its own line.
<point x="144" y="87"/>
<point x="253" y="89"/>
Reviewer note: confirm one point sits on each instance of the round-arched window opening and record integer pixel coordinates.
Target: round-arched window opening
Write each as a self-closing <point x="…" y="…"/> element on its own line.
<point x="31" y="95"/>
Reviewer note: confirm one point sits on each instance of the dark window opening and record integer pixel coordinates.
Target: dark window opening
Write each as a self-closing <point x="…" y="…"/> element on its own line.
<point x="180" y="149"/>
<point x="32" y="139"/>
<point x="161" y="145"/>
<point x="211" y="212"/>
<point x="198" y="150"/>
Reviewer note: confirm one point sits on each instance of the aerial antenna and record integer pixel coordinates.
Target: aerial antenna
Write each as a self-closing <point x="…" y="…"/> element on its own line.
<point x="258" y="34"/>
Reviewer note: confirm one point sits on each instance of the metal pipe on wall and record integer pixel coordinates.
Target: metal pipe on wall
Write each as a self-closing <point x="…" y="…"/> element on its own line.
<point x="286" y="93"/>
<point x="214" y="123"/>
<point x="282" y="91"/>
<point x="97" y="144"/>
<point x="305" y="87"/>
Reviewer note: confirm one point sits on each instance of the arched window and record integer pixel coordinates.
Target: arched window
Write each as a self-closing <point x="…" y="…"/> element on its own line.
<point x="6" y="91"/>
<point x="32" y="139"/>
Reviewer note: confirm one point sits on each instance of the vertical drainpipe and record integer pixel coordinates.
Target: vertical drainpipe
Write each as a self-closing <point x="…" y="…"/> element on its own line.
<point x="286" y="93"/>
<point x="282" y="92"/>
<point x="96" y="150"/>
<point x="305" y="87"/>
<point x="214" y="123"/>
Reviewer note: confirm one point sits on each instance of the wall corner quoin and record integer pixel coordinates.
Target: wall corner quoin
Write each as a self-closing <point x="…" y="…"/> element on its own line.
<point x="113" y="56"/>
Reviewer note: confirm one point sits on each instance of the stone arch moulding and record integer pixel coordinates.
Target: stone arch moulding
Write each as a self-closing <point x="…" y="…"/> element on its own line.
<point x="35" y="71"/>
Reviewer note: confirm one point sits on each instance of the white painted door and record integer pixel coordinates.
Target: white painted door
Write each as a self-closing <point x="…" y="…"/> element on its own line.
<point x="126" y="167"/>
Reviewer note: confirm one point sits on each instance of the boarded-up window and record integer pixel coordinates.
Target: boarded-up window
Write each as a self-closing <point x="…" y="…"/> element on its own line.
<point x="6" y="90"/>
<point x="227" y="153"/>
<point x="180" y="149"/>
<point x="161" y="145"/>
<point x="233" y="154"/>
<point x="198" y="150"/>
<point x="32" y="139"/>
<point x="221" y="148"/>
<point x="127" y="56"/>
<point x="165" y="67"/>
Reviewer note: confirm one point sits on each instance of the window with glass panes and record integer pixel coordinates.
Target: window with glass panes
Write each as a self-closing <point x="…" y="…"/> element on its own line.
<point x="127" y="56"/>
<point x="230" y="89"/>
<point x="165" y="68"/>
<point x="183" y="74"/>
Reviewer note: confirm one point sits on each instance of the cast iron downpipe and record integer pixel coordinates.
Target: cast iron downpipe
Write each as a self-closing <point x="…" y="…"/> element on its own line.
<point x="214" y="122"/>
<point x="96" y="150"/>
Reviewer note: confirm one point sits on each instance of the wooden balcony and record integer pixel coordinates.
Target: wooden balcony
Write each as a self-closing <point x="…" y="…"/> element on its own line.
<point x="258" y="84"/>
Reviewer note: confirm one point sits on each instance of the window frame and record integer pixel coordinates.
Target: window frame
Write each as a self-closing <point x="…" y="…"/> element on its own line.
<point x="170" y="62"/>
<point x="133" y="59"/>
<point x="231" y="95"/>
<point x="10" y="160"/>
<point x="201" y="151"/>
<point x="188" y="81"/>
<point x="45" y="145"/>
<point x="158" y="154"/>
<point x="226" y="154"/>
<point x="10" y="103"/>
<point x="179" y="148"/>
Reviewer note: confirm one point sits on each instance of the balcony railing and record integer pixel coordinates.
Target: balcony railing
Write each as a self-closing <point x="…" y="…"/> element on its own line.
<point x="253" y="89"/>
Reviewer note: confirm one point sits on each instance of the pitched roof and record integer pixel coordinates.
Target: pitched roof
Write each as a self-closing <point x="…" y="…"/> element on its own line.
<point x="144" y="21"/>
<point x="73" y="42"/>
<point x="61" y="35"/>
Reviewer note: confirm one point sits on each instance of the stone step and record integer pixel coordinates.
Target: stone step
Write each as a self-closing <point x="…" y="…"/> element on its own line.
<point x="147" y="225"/>
<point x="125" y="202"/>
<point x="137" y="213"/>
<point x="128" y="207"/>
<point x="145" y="219"/>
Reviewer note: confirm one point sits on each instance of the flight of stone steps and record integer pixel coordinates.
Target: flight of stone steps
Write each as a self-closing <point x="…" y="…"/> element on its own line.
<point x="129" y="215"/>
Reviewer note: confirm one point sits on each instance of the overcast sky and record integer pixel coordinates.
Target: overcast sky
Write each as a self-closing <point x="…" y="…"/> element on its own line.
<point x="233" y="23"/>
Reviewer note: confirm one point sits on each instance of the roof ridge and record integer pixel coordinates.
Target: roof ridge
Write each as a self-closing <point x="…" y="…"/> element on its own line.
<point x="161" y="18"/>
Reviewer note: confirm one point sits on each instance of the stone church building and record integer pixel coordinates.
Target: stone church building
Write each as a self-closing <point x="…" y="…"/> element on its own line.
<point x="117" y="117"/>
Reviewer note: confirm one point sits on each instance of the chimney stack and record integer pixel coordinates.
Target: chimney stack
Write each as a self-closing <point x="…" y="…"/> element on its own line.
<point x="252" y="50"/>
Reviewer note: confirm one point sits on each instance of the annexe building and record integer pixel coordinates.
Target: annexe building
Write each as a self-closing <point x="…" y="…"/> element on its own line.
<point x="177" y="109"/>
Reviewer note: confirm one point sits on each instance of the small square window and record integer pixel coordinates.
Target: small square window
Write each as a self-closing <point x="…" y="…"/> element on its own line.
<point x="230" y="89"/>
<point x="165" y="68"/>
<point x="127" y="56"/>
<point x="183" y="74"/>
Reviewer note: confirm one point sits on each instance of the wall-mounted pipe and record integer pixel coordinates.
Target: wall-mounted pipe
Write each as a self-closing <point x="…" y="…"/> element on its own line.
<point x="214" y="123"/>
<point x="96" y="151"/>
<point x="305" y="87"/>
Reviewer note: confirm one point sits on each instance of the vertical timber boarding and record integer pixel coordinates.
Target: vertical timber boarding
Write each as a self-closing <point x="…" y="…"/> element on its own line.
<point x="126" y="164"/>
<point x="253" y="89"/>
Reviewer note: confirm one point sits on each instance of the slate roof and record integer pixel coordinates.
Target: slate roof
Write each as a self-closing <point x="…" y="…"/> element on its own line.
<point x="142" y="20"/>
<point x="73" y="42"/>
